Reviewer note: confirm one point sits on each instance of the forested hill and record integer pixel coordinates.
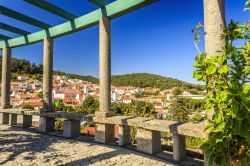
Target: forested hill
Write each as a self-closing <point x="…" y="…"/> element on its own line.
<point x="151" y="80"/>
<point x="24" y="67"/>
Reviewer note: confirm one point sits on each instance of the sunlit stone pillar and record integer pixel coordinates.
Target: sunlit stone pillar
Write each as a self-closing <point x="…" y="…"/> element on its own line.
<point x="105" y="66"/>
<point x="214" y="22"/>
<point x="104" y="132"/>
<point x="48" y="74"/>
<point x="47" y="124"/>
<point x="6" y="77"/>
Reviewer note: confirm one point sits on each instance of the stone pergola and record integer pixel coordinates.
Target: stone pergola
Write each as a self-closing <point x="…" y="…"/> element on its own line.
<point x="214" y="22"/>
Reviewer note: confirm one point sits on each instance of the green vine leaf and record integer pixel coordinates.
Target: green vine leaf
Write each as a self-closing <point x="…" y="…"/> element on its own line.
<point x="211" y="69"/>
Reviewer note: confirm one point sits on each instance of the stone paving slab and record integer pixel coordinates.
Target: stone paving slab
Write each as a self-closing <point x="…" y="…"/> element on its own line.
<point x="22" y="147"/>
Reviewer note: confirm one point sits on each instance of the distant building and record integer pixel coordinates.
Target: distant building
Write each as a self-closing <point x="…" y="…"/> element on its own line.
<point x="16" y="102"/>
<point x="22" y="78"/>
<point x="170" y="97"/>
<point x="81" y="97"/>
<point x="36" y="105"/>
<point x="120" y="90"/>
<point x="127" y="100"/>
<point x="70" y="101"/>
<point x="59" y="77"/>
<point x="78" y="86"/>
<point x="63" y="94"/>
<point x="86" y="89"/>
<point x="114" y="96"/>
<point x="158" y="108"/>
<point x="197" y="97"/>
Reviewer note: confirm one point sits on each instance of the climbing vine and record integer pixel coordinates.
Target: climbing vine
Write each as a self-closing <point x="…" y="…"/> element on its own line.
<point x="228" y="93"/>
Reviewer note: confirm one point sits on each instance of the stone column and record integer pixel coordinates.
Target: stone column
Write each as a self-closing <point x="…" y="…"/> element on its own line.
<point x="105" y="67"/>
<point x="104" y="132"/>
<point x="6" y="77"/>
<point x="47" y="124"/>
<point x="214" y="22"/>
<point x="48" y="74"/>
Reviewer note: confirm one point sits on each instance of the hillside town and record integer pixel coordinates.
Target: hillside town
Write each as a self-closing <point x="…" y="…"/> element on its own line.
<point x="125" y="83"/>
<point x="27" y="93"/>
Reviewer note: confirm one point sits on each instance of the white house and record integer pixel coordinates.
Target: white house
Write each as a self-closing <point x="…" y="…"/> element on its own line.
<point x="86" y="89"/>
<point x="127" y="100"/>
<point x="114" y="96"/>
<point x="22" y="78"/>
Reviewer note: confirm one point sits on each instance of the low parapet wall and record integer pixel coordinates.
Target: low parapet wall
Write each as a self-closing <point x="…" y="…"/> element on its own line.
<point x="196" y="129"/>
<point x="148" y="130"/>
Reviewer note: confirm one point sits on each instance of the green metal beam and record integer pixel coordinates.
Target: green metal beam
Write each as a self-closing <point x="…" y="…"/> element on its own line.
<point x="99" y="3"/>
<point x="13" y="29"/>
<point x="21" y="17"/>
<point x="4" y="37"/>
<point x="112" y="10"/>
<point x="52" y="8"/>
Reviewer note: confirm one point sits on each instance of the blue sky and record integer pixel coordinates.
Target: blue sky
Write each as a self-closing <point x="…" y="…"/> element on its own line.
<point x="155" y="39"/>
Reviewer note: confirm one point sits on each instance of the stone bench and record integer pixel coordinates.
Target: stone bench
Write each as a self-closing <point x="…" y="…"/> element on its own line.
<point x="148" y="133"/>
<point x="72" y="120"/>
<point x="23" y="118"/>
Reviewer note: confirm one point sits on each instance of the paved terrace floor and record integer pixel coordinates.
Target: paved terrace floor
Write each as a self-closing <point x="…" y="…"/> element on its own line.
<point x="22" y="147"/>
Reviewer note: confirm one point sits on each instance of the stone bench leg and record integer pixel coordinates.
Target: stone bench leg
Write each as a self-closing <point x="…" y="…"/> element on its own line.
<point x="24" y="121"/>
<point x="46" y="124"/>
<point x="4" y="118"/>
<point x="104" y="133"/>
<point x="179" y="147"/>
<point x="12" y="119"/>
<point x="124" y="135"/>
<point x="148" y="141"/>
<point x="71" y="128"/>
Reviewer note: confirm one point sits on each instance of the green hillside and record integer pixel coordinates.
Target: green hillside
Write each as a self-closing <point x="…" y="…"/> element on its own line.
<point x="151" y="80"/>
<point x="24" y="67"/>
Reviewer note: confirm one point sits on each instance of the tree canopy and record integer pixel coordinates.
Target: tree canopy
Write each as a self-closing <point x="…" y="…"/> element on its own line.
<point x="183" y="107"/>
<point x="90" y="105"/>
<point x="136" y="108"/>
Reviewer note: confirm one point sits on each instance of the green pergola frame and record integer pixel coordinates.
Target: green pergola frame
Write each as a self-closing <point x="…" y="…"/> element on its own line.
<point x="74" y="23"/>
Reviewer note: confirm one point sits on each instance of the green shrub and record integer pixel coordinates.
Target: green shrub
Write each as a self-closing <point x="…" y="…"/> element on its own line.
<point x="59" y="125"/>
<point x="194" y="143"/>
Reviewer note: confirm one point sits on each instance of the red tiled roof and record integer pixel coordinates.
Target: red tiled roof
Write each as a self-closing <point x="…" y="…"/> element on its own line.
<point x="34" y="104"/>
<point x="57" y="99"/>
<point x="78" y="85"/>
<point x="35" y="97"/>
<point x="66" y="100"/>
<point x="127" y="98"/>
<point x="121" y="88"/>
<point x="15" y="100"/>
